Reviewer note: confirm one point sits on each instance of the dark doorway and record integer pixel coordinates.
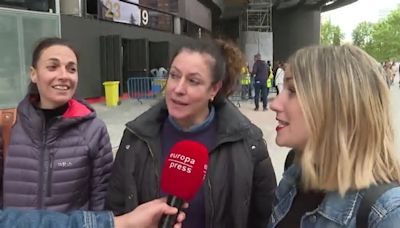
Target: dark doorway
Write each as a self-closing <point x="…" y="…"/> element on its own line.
<point x="159" y="54"/>
<point x="135" y="59"/>
<point x="111" y="59"/>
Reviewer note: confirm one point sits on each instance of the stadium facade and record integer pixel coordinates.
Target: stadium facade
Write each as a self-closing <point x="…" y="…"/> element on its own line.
<point x="118" y="39"/>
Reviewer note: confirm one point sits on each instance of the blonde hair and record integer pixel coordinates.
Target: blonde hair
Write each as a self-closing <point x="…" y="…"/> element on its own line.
<point x="346" y="105"/>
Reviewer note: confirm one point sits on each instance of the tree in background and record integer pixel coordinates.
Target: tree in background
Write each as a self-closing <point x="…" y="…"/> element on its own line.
<point x="381" y="39"/>
<point x="362" y="34"/>
<point x="331" y="34"/>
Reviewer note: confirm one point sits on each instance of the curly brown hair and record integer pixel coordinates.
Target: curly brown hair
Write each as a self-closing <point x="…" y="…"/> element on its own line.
<point x="234" y="61"/>
<point x="225" y="67"/>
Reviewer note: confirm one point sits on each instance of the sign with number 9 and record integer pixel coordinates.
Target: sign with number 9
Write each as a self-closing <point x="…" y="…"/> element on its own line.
<point x="145" y="17"/>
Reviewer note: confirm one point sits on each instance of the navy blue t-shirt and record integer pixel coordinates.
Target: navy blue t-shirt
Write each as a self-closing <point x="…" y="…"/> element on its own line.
<point x="204" y="133"/>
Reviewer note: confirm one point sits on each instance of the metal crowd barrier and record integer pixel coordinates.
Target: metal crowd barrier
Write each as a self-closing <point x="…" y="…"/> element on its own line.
<point x="141" y="88"/>
<point x="236" y="97"/>
<point x="241" y="94"/>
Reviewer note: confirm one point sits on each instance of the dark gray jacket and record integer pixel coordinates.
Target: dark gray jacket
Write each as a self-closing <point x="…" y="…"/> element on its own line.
<point x="240" y="181"/>
<point x="63" y="166"/>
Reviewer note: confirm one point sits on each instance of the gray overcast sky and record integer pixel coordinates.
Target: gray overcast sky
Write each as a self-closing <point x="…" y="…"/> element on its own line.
<point x="348" y="17"/>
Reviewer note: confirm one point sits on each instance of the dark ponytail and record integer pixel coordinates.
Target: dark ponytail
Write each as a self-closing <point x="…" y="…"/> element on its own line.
<point x="32" y="89"/>
<point x="233" y="63"/>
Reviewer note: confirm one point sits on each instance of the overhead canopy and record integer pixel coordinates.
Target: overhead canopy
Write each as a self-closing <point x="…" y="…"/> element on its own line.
<point x="325" y="5"/>
<point x="234" y="8"/>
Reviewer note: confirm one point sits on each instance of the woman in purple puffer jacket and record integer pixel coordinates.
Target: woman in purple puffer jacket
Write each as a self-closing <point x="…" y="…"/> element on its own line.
<point x="60" y="155"/>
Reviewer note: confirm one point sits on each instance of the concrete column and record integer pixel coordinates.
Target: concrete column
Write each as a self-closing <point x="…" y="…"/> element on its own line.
<point x="256" y="42"/>
<point x="293" y="29"/>
<point x="177" y="25"/>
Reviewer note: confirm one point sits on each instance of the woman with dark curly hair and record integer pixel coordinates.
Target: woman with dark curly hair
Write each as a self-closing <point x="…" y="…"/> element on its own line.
<point x="240" y="181"/>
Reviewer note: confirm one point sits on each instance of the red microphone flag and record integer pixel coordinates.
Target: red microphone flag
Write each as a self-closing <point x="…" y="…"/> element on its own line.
<point x="185" y="169"/>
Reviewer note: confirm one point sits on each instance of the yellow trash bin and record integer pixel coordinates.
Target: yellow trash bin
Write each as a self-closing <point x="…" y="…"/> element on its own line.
<point x="112" y="93"/>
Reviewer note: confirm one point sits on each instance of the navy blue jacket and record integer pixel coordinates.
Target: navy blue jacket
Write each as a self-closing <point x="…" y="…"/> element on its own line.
<point x="260" y="70"/>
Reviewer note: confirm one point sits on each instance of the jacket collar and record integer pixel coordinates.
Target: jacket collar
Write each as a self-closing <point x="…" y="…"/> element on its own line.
<point x="333" y="207"/>
<point x="197" y="127"/>
<point x="339" y="209"/>
<point x="148" y="124"/>
<point x="231" y="124"/>
<point x="33" y="120"/>
<point x="77" y="109"/>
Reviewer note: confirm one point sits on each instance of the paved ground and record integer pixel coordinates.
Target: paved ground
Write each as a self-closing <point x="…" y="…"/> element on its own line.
<point x="115" y="118"/>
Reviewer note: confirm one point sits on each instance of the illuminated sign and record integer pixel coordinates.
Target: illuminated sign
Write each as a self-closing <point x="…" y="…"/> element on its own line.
<point x="119" y="11"/>
<point x="130" y="12"/>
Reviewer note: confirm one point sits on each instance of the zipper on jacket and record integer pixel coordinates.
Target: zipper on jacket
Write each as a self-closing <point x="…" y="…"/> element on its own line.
<point x="211" y="222"/>
<point x="41" y="168"/>
<point x="133" y="132"/>
<point x="157" y="176"/>
<point x="50" y="174"/>
<point x="155" y="168"/>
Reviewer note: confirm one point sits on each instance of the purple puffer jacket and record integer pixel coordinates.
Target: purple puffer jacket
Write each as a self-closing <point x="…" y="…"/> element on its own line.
<point x="61" y="167"/>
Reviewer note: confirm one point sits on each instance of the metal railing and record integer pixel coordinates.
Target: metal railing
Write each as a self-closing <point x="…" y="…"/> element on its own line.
<point x="241" y="94"/>
<point x="141" y="88"/>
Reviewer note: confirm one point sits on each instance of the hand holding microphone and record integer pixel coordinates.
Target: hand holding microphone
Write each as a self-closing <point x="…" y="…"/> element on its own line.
<point x="183" y="174"/>
<point x="146" y="215"/>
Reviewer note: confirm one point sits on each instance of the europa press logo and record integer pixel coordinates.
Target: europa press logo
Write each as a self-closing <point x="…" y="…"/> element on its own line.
<point x="181" y="162"/>
<point x="184" y="169"/>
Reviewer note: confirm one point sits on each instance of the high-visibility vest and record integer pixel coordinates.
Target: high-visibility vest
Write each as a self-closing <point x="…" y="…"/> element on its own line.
<point x="245" y="79"/>
<point x="270" y="78"/>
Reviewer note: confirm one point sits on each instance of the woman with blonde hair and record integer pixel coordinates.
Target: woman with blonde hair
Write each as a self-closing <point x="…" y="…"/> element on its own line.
<point x="334" y="112"/>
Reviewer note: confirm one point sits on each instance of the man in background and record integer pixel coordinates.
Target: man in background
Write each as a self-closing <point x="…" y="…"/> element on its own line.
<point x="260" y="72"/>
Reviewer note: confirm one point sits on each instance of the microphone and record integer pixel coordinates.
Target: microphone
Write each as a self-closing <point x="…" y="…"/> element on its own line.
<point x="183" y="174"/>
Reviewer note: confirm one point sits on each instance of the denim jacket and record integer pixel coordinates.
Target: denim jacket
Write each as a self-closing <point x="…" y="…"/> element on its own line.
<point x="335" y="211"/>
<point x="12" y="218"/>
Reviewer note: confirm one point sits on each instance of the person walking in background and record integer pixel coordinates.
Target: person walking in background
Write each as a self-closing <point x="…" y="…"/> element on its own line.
<point x="394" y="69"/>
<point x="398" y="65"/>
<point x="245" y="81"/>
<point x="279" y="77"/>
<point x="269" y="84"/>
<point x="389" y="71"/>
<point x="334" y="111"/>
<point x="251" y="86"/>
<point x="59" y="157"/>
<point x="240" y="180"/>
<point x="274" y="69"/>
<point x="269" y="67"/>
<point x="260" y="72"/>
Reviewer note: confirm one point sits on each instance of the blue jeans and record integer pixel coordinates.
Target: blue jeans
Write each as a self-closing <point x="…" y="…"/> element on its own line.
<point x="260" y="87"/>
<point x="251" y="88"/>
<point x="245" y="91"/>
<point x="50" y="219"/>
